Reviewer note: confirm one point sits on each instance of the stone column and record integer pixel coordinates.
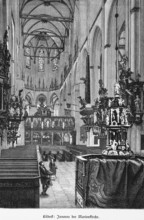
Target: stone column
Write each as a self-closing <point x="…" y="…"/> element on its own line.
<point x="88" y="139"/>
<point x="128" y="31"/>
<point x="141" y="36"/>
<point x="134" y="61"/>
<point x="106" y="48"/>
<point x="1" y="20"/>
<point x="103" y="41"/>
<point x="134" y="44"/>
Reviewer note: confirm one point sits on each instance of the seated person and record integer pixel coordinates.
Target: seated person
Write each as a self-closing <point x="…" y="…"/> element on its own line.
<point x="45" y="177"/>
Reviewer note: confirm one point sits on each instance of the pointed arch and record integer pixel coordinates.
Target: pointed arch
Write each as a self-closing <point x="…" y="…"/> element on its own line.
<point x="53" y="99"/>
<point x="96" y="61"/>
<point x="111" y="41"/>
<point x="41" y="98"/>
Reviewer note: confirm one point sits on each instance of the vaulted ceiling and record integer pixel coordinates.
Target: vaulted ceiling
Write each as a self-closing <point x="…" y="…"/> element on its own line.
<point x="46" y="23"/>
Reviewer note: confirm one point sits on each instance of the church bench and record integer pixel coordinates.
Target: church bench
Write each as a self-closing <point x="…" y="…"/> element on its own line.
<point x="19" y="178"/>
<point x="68" y="155"/>
<point x="60" y="156"/>
<point x="19" y="183"/>
<point x="75" y="153"/>
<point x="19" y="152"/>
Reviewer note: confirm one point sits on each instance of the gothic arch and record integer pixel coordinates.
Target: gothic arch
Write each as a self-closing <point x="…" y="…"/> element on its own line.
<point x="29" y="98"/>
<point x="69" y="85"/>
<point x="111" y="42"/>
<point x="85" y="54"/>
<point x="76" y="88"/>
<point x="74" y="75"/>
<point x="53" y="99"/>
<point x="41" y="97"/>
<point x="111" y="19"/>
<point x="96" y="61"/>
<point x="64" y="92"/>
<point x="54" y="102"/>
<point x="83" y="73"/>
<point x="41" y="58"/>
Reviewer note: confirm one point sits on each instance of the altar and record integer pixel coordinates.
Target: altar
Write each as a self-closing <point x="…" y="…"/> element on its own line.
<point x="109" y="181"/>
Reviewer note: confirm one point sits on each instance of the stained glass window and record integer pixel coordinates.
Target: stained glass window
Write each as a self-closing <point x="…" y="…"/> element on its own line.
<point x="41" y="60"/>
<point x="122" y="58"/>
<point x="55" y="61"/>
<point x="28" y="60"/>
<point x="122" y="41"/>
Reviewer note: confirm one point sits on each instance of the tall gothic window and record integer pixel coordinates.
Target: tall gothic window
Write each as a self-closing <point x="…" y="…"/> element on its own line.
<point x="121" y="42"/>
<point x="55" y="61"/>
<point x="41" y="60"/>
<point x="28" y="59"/>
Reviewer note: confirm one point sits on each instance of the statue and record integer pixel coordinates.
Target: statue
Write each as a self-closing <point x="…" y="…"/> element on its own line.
<point x="82" y="102"/>
<point x="117" y="89"/>
<point x="107" y="120"/>
<point x="122" y="118"/>
<point x="109" y="102"/>
<point x="137" y="103"/>
<point x="114" y="145"/>
<point x="121" y="102"/>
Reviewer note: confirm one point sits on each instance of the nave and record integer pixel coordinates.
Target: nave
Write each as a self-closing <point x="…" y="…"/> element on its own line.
<point x="62" y="193"/>
<point x="72" y="82"/>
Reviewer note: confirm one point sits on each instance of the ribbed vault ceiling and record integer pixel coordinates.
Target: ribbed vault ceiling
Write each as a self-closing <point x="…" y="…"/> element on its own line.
<point x="46" y="23"/>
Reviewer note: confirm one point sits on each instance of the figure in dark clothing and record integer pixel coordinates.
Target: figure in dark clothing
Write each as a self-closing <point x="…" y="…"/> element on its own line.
<point x="44" y="156"/>
<point x="49" y="155"/>
<point x="55" y="157"/>
<point x="53" y="167"/>
<point x="45" y="177"/>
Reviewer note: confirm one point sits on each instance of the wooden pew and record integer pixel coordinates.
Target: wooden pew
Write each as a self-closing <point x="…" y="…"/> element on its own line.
<point x="60" y="156"/>
<point x="19" y="179"/>
<point x="68" y="155"/>
<point x="75" y="153"/>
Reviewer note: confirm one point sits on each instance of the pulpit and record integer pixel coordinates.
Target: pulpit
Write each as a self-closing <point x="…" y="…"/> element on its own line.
<point x="109" y="181"/>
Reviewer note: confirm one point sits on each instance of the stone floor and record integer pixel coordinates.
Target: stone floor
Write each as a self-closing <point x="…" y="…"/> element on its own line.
<point x="62" y="193"/>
